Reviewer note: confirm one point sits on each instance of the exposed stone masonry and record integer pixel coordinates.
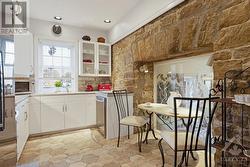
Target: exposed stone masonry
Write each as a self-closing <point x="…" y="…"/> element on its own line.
<point x="195" y="27"/>
<point x="94" y="81"/>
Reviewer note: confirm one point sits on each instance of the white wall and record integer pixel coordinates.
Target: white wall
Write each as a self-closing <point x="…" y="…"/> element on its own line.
<point x="145" y="12"/>
<point x="42" y="30"/>
<point x="69" y="33"/>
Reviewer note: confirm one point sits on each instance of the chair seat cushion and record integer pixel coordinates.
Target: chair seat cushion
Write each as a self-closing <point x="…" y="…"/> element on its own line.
<point x="134" y="121"/>
<point x="169" y="137"/>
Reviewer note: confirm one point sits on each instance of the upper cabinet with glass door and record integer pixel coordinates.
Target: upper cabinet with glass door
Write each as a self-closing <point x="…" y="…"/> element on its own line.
<point x="95" y="59"/>
<point x="87" y="58"/>
<point x="104" y="59"/>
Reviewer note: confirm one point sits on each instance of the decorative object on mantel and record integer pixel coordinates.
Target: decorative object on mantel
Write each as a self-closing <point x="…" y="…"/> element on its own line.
<point x="101" y="40"/>
<point x="57" y="29"/>
<point x="144" y="68"/>
<point x="86" y="38"/>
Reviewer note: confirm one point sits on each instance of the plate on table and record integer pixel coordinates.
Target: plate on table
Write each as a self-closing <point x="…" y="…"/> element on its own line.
<point x="148" y="105"/>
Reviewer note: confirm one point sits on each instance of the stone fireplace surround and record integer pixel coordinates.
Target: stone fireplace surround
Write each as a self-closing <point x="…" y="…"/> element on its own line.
<point x="193" y="28"/>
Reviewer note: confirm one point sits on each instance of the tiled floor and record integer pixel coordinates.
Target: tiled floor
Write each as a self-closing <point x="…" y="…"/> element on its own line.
<point x="88" y="148"/>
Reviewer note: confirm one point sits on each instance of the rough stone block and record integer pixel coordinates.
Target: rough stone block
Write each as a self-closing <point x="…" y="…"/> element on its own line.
<point x="168" y="20"/>
<point x="243" y="52"/>
<point x="233" y="36"/>
<point x="190" y="9"/>
<point x="188" y="33"/>
<point x="224" y="55"/>
<point x="220" y="67"/>
<point x="235" y="15"/>
<point x="208" y="30"/>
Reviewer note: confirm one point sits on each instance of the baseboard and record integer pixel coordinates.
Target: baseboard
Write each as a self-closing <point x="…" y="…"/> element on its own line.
<point x="60" y="131"/>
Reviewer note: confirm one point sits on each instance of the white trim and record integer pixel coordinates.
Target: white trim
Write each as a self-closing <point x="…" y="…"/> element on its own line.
<point x="159" y="12"/>
<point x="62" y="42"/>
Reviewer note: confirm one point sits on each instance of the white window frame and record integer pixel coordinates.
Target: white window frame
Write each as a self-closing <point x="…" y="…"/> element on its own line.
<point x="69" y="44"/>
<point x="3" y="48"/>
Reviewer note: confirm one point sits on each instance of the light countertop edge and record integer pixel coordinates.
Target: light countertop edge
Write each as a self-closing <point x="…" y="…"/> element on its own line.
<point x="69" y="93"/>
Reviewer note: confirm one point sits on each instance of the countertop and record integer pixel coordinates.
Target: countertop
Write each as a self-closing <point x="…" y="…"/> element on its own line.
<point x="27" y="94"/>
<point x="69" y="93"/>
<point x="109" y="93"/>
<point x="61" y="93"/>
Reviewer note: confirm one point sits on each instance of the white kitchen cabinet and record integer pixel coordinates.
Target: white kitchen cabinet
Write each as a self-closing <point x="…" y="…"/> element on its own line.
<point x="103" y="59"/>
<point x="23" y="55"/>
<point x="22" y="119"/>
<point x="35" y="115"/>
<point x="74" y="113"/>
<point x="94" y="59"/>
<point x="90" y="110"/>
<point x="52" y="113"/>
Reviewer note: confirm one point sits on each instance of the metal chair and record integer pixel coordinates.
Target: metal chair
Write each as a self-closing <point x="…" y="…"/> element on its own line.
<point x="190" y="138"/>
<point x="121" y="100"/>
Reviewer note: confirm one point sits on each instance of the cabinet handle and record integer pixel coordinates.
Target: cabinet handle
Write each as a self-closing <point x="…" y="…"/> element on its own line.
<point x="26" y="116"/>
<point x="66" y="108"/>
<point x="63" y="108"/>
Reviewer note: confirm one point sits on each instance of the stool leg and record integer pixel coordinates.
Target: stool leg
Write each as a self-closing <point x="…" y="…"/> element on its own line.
<point x="119" y="133"/>
<point x="139" y="138"/>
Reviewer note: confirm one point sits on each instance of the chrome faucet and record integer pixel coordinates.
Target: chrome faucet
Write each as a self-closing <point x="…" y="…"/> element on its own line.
<point x="67" y="87"/>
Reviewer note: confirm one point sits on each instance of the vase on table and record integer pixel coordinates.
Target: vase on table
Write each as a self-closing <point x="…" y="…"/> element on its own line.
<point x="170" y="101"/>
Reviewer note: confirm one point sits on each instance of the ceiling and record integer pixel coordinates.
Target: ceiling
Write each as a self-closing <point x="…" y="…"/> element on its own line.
<point x="83" y="13"/>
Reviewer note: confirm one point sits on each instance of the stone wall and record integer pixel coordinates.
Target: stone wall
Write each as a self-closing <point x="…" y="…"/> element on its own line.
<point x="94" y="81"/>
<point x="219" y="27"/>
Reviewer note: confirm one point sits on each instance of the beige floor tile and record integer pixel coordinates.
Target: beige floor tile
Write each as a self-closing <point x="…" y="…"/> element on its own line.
<point x="87" y="148"/>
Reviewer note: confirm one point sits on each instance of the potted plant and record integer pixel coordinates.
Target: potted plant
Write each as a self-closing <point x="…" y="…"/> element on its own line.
<point x="58" y="85"/>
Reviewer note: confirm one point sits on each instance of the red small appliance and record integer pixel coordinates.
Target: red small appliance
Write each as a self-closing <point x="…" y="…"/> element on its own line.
<point x="89" y="88"/>
<point x="104" y="87"/>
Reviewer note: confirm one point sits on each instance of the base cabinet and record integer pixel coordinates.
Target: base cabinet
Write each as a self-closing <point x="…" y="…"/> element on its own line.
<point x="35" y="115"/>
<point x="22" y="119"/>
<point x="75" y="112"/>
<point x="52" y="117"/>
<point x="62" y="112"/>
<point x="90" y="110"/>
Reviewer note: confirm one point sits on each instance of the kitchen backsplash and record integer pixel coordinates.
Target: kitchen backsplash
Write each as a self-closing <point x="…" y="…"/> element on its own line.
<point x="94" y="81"/>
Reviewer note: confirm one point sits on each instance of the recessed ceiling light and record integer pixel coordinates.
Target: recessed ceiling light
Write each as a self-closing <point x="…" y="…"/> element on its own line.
<point x="107" y="21"/>
<point x="57" y="18"/>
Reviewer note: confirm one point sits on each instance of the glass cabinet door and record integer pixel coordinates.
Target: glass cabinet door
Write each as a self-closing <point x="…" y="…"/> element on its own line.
<point x="104" y="59"/>
<point x="88" y="58"/>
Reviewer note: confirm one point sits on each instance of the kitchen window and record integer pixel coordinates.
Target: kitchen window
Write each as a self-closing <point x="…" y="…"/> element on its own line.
<point x="7" y="47"/>
<point x="56" y="64"/>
